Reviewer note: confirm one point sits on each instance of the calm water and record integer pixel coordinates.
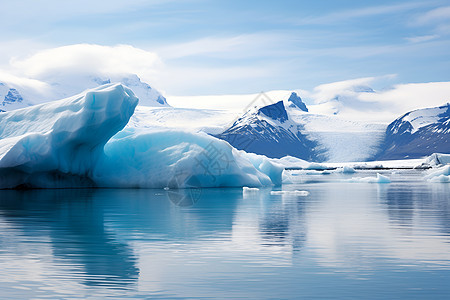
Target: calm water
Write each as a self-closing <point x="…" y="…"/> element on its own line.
<point x="344" y="240"/>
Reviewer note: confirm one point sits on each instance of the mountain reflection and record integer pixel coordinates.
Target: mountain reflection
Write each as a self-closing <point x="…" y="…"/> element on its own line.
<point x="407" y="204"/>
<point x="283" y="221"/>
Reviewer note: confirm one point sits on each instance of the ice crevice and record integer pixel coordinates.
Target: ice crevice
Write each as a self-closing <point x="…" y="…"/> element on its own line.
<point x="81" y="142"/>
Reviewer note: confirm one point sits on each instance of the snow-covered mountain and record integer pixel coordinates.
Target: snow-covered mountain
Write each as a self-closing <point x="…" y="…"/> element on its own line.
<point x="269" y="131"/>
<point x="66" y="86"/>
<point x="283" y="129"/>
<point x="10" y="98"/>
<point x="417" y="134"/>
<point x="14" y="96"/>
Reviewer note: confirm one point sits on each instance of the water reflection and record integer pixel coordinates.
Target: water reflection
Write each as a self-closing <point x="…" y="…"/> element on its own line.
<point x="283" y="221"/>
<point x="408" y="205"/>
<point x="357" y="226"/>
<point x="400" y="202"/>
<point x="205" y="243"/>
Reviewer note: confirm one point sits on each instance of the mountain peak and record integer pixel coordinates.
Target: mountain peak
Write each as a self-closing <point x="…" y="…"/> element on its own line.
<point x="417" y="133"/>
<point x="275" y="111"/>
<point x="296" y="101"/>
<point x="12" y="96"/>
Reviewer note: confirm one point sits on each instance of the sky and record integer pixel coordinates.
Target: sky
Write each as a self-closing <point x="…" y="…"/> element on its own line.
<point x="203" y="47"/>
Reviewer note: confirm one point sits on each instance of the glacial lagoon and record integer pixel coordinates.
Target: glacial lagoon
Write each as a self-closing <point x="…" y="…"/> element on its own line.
<point x="344" y="239"/>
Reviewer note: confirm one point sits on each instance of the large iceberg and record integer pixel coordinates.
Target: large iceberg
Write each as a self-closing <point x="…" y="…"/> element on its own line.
<point x="79" y="142"/>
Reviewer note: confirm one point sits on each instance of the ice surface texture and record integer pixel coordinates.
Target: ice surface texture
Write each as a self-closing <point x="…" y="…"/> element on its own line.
<point x="70" y="143"/>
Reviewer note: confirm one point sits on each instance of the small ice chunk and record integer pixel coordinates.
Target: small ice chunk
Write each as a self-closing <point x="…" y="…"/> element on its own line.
<point x="379" y="179"/>
<point x="440" y="178"/>
<point x="382" y="179"/>
<point x="295" y="193"/>
<point x="316" y="166"/>
<point x="346" y="170"/>
<point x="439" y="175"/>
<point x="249" y="189"/>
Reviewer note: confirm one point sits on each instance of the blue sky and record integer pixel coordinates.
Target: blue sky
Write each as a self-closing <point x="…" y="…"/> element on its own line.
<point x="227" y="47"/>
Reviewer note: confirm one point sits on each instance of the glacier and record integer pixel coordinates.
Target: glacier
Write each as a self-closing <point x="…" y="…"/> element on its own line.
<point x="83" y="141"/>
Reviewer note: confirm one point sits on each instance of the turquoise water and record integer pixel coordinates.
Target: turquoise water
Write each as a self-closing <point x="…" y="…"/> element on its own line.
<point x="343" y="240"/>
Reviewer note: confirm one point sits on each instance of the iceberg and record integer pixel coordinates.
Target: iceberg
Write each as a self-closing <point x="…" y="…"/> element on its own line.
<point x="57" y="144"/>
<point x="81" y="142"/>
<point x="441" y="174"/>
<point x="379" y="179"/>
<point x="176" y="159"/>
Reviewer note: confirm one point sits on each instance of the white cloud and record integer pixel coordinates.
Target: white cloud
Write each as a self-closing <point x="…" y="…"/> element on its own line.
<point x="328" y="91"/>
<point x="88" y="58"/>
<point x="406" y="97"/>
<point x="71" y="65"/>
<point x="65" y="71"/>
<point x="378" y="106"/>
<point x="23" y="82"/>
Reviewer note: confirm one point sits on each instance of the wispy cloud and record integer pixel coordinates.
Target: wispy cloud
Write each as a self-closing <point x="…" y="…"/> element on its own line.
<point x="435" y="21"/>
<point x="346" y="15"/>
<point x="434" y="16"/>
<point x="237" y="46"/>
<point x="63" y="9"/>
<point x="422" y="38"/>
